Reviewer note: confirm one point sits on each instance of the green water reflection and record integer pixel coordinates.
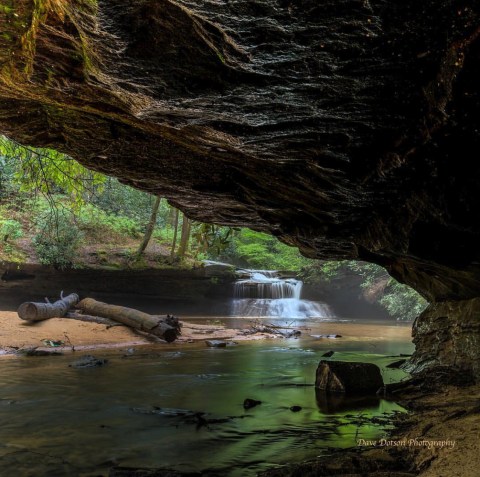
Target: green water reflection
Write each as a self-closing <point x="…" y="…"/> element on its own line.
<point x="62" y="421"/>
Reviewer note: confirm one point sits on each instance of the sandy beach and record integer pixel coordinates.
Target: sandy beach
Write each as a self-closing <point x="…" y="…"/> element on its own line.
<point x="18" y="334"/>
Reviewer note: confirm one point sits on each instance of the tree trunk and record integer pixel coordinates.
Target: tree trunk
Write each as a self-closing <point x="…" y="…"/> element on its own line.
<point x="175" y="227"/>
<point x="150" y="227"/>
<point x="184" y="237"/>
<point x="31" y="311"/>
<point x="92" y="319"/>
<point x="134" y="318"/>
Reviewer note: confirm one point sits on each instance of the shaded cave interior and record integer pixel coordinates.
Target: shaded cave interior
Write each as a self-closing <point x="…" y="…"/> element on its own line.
<point x="347" y="129"/>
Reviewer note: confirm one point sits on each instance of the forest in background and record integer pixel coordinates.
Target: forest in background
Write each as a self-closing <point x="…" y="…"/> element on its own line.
<point x="55" y="212"/>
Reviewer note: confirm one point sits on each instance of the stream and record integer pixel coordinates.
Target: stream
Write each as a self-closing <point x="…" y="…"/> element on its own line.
<point x="138" y="410"/>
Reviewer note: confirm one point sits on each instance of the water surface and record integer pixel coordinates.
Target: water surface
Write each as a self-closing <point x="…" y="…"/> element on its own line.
<point x="61" y="421"/>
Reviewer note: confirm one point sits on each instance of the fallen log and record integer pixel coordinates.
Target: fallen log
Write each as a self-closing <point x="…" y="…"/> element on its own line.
<point x="276" y="330"/>
<point x="32" y="311"/>
<point x="92" y="319"/>
<point x="155" y="325"/>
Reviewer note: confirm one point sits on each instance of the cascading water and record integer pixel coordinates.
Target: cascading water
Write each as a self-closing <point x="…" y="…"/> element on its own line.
<point x="265" y="293"/>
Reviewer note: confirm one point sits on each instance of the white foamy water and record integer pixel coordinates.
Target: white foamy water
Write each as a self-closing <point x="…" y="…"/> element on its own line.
<point x="264" y="293"/>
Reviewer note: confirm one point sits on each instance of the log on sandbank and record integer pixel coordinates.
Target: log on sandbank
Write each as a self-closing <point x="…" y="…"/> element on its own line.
<point x="92" y="319"/>
<point x="167" y="328"/>
<point x="32" y="311"/>
<point x="285" y="332"/>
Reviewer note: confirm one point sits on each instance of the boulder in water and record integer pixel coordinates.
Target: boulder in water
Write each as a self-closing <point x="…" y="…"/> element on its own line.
<point x="330" y="337"/>
<point x="218" y="269"/>
<point x="216" y="343"/>
<point x="249" y="403"/>
<point x="295" y="408"/>
<point x="348" y="377"/>
<point x="328" y="354"/>
<point x="88" y="361"/>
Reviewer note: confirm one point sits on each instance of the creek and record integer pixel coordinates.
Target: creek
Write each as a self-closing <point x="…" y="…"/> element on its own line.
<point x="138" y="410"/>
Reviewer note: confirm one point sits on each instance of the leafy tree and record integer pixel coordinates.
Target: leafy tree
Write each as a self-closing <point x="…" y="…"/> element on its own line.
<point x="118" y="199"/>
<point x="400" y="301"/>
<point x="210" y="240"/>
<point x="57" y="242"/>
<point x="49" y="172"/>
<point x="262" y="251"/>
<point x="10" y="230"/>
<point x="7" y="185"/>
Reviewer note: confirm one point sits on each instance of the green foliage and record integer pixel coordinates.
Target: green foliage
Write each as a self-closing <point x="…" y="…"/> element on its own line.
<point x="71" y="206"/>
<point x="210" y="240"/>
<point x="49" y="172"/>
<point x="370" y="272"/>
<point x="57" y="242"/>
<point x="262" y="251"/>
<point x="402" y="302"/>
<point x="10" y="230"/>
<point x="117" y="199"/>
<point x="329" y="270"/>
<point x="6" y="178"/>
<point x="97" y="223"/>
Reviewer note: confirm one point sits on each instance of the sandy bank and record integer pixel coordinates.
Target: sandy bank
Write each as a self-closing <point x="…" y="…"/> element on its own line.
<point x="15" y="333"/>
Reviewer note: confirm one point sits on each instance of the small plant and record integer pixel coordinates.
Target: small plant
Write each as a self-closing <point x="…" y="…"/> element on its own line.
<point x="10" y="230"/>
<point x="57" y="242"/>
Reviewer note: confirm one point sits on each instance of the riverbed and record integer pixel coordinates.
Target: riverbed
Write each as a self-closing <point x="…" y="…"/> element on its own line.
<point x="181" y="406"/>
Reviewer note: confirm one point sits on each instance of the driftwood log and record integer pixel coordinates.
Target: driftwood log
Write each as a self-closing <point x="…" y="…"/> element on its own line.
<point x="154" y="325"/>
<point x="285" y="332"/>
<point x="92" y="319"/>
<point x="32" y="311"/>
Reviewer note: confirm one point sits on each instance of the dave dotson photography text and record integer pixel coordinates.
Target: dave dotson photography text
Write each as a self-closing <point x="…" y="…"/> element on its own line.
<point x="406" y="443"/>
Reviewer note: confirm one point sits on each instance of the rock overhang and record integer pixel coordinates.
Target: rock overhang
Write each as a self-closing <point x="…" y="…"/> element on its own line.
<point x="346" y="128"/>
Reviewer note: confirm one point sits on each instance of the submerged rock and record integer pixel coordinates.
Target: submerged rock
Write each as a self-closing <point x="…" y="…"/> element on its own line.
<point x="328" y="354"/>
<point x="295" y="408"/>
<point x="166" y="411"/>
<point x="216" y="343"/>
<point x="348" y="377"/>
<point x="396" y="364"/>
<point x="146" y="472"/>
<point x="249" y="403"/>
<point x="37" y="352"/>
<point x="330" y="403"/>
<point x="330" y="337"/>
<point x="88" y="361"/>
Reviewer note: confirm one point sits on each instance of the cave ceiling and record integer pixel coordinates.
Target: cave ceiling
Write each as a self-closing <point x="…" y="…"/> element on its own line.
<point x="347" y="128"/>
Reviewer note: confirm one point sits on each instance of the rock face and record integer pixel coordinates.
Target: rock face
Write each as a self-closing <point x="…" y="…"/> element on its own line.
<point x="448" y="334"/>
<point x="347" y="128"/>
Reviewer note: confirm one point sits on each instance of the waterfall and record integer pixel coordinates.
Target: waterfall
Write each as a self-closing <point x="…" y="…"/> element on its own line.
<point x="265" y="293"/>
